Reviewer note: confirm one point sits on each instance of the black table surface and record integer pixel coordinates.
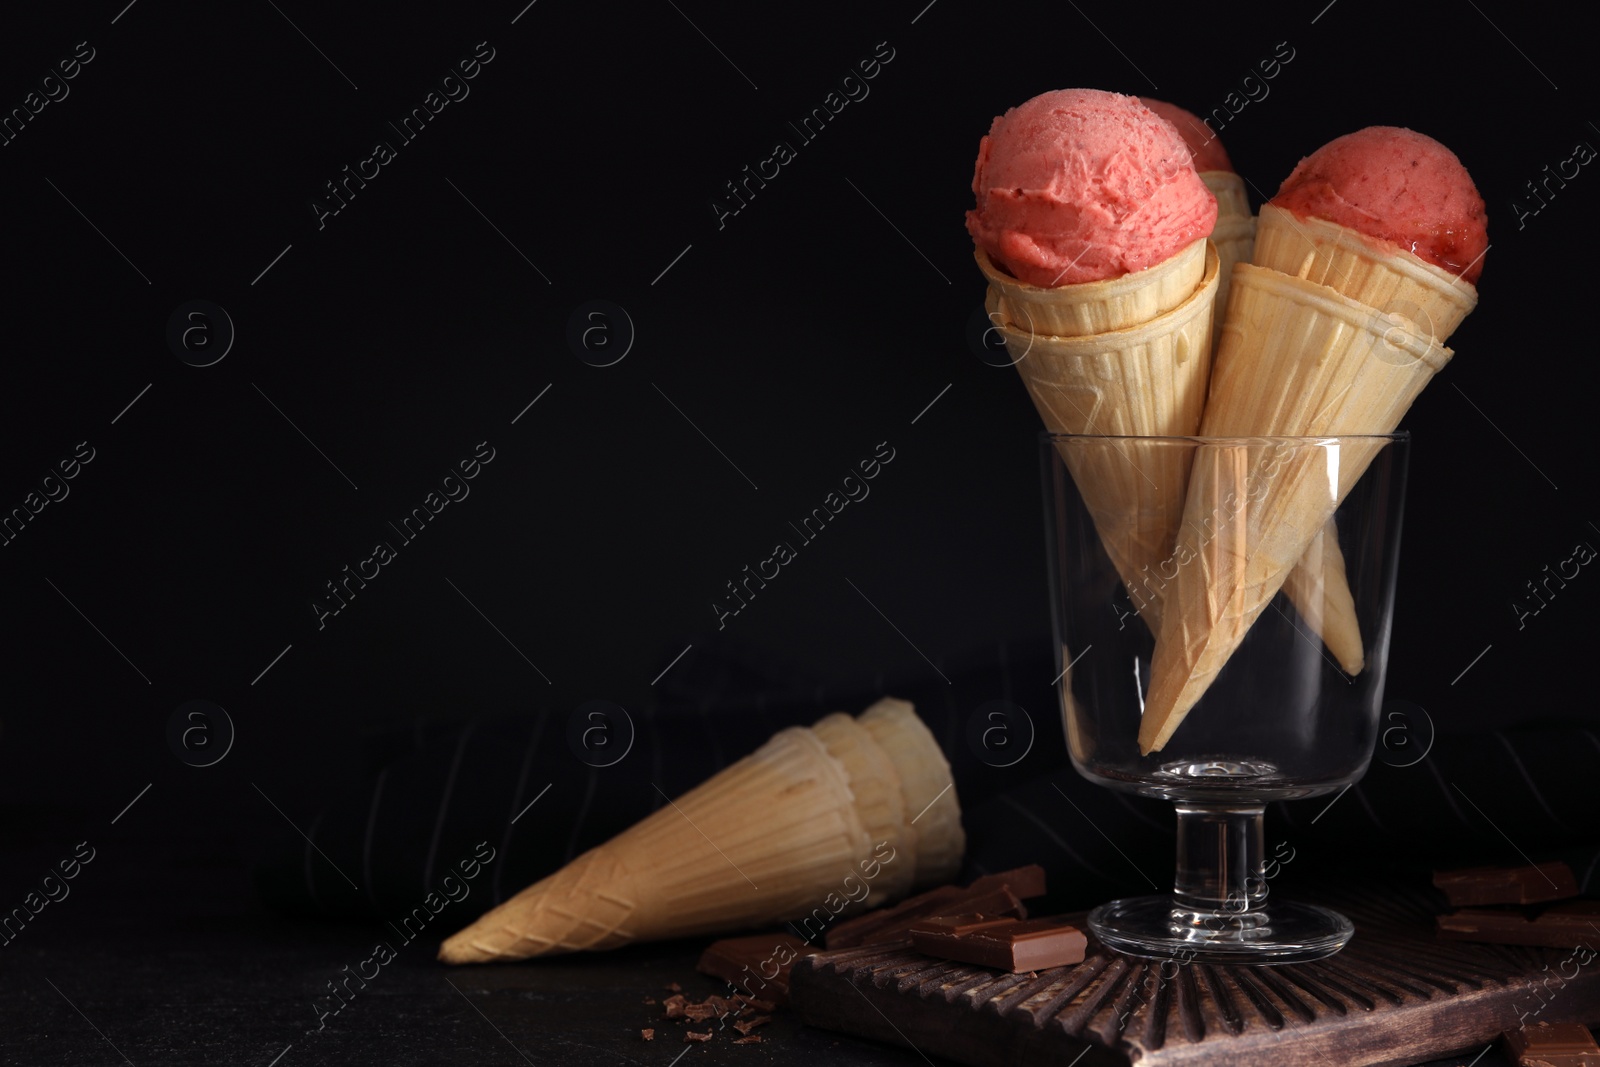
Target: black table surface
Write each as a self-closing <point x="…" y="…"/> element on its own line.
<point x="158" y="965"/>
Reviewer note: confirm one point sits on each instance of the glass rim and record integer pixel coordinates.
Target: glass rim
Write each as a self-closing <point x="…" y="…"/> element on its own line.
<point x="1323" y="438"/>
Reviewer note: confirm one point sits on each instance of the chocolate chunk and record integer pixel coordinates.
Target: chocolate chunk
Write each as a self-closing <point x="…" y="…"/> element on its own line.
<point x="757" y="965"/>
<point x="1015" y="945"/>
<point x="691" y="1036"/>
<point x="1473" y="886"/>
<point x="752" y="1040"/>
<point x="1570" y="924"/>
<point x="744" y="1026"/>
<point x="1025" y="883"/>
<point x="648" y="1034"/>
<point x="993" y="894"/>
<point x="674" y="1006"/>
<point x="1553" y="1045"/>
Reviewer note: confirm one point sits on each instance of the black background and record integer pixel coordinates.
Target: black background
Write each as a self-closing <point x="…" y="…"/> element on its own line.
<point x="821" y="320"/>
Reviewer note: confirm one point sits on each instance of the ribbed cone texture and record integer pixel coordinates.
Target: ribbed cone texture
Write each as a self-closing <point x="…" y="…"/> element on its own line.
<point x="1090" y="308"/>
<point x="928" y="792"/>
<point x="879" y="799"/>
<point x="1414" y="296"/>
<point x="1234" y="236"/>
<point x="769" y="838"/>
<point x="1149" y="381"/>
<point x="1297" y="359"/>
<point x="1387" y="280"/>
<point x="1232" y="200"/>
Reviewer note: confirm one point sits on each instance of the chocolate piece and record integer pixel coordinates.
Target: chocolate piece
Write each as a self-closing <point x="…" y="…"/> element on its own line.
<point x="691" y="1036"/>
<point x="994" y="902"/>
<point x="1473" y="886"/>
<point x="1024" y="882"/>
<point x="1015" y="945"/>
<point x="1570" y="924"/>
<point x="674" y="1006"/>
<point x="648" y="1034"/>
<point x="993" y="894"/>
<point x="744" y="1026"/>
<point x="878" y="926"/>
<point x="752" y="1040"/>
<point x="757" y="965"/>
<point x="1553" y="1045"/>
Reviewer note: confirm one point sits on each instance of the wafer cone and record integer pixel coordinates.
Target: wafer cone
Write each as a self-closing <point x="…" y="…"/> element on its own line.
<point x="1297" y="359"/>
<point x="1417" y="296"/>
<point x="879" y="798"/>
<point x="1320" y="592"/>
<point x="1145" y="381"/>
<point x="1228" y="188"/>
<point x="1094" y="307"/>
<point x="1234" y="236"/>
<point x="1386" y="279"/>
<point x="927" y="791"/>
<point x="1318" y="579"/>
<point x="769" y="838"/>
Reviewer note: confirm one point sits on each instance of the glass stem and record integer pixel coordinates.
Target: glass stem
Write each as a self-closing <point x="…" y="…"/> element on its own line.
<point x="1220" y="870"/>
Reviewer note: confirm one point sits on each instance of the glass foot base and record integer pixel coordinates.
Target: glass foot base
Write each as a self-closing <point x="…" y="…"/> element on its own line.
<point x="1279" y="932"/>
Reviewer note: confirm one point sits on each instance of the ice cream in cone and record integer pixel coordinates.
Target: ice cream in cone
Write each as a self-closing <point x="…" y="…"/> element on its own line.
<point x="1090" y="227"/>
<point x="1235" y="231"/>
<point x="786" y="831"/>
<point x="1299" y="358"/>
<point x="1317" y="587"/>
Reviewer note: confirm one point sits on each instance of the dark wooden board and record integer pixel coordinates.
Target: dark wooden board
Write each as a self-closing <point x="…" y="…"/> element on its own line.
<point x="1395" y="995"/>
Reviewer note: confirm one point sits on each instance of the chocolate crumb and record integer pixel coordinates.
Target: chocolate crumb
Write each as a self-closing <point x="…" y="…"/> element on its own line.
<point x="648" y="1034"/>
<point x="754" y="1002"/>
<point x="690" y="1037"/>
<point x="675" y="987"/>
<point x="649" y="1000"/>
<point x="754" y="1039"/>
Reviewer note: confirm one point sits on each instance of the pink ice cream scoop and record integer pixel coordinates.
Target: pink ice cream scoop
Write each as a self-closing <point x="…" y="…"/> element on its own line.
<point x="1208" y="151"/>
<point x="1080" y="185"/>
<point x="1395" y="186"/>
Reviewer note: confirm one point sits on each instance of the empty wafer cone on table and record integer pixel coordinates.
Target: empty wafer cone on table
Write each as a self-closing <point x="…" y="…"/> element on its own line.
<point x="879" y="799"/>
<point x="770" y="838"/>
<point x="1297" y="360"/>
<point x="932" y="830"/>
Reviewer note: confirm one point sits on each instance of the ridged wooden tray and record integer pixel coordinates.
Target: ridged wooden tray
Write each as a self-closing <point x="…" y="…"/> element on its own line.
<point x="1395" y="995"/>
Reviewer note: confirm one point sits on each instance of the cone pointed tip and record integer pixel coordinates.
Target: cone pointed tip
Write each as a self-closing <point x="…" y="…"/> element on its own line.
<point x="461" y="949"/>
